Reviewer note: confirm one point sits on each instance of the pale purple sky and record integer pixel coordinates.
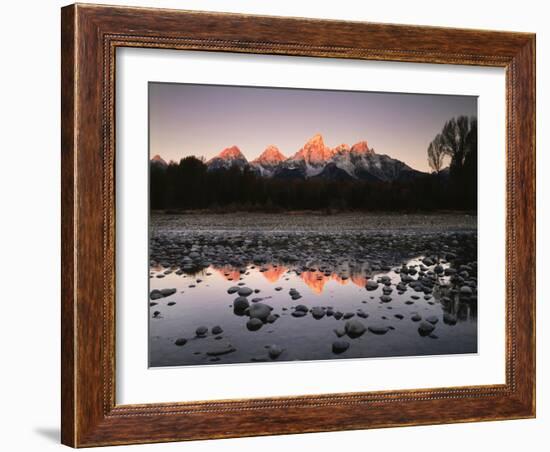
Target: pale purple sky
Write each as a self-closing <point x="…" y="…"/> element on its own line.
<point x="201" y="120"/>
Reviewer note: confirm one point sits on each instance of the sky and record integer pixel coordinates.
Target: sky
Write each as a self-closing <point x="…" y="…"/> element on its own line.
<point x="201" y="120"/>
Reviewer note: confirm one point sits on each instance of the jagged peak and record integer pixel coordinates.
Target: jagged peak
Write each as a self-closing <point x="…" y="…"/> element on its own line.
<point x="341" y="148"/>
<point x="362" y="147"/>
<point x="270" y="155"/>
<point x="314" y="151"/>
<point x="231" y="152"/>
<point x="316" y="139"/>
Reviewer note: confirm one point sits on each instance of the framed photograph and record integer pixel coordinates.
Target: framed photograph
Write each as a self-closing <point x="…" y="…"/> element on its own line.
<point x="281" y="225"/>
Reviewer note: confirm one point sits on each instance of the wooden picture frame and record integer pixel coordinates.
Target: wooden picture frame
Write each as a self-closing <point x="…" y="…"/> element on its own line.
<point x="90" y="35"/>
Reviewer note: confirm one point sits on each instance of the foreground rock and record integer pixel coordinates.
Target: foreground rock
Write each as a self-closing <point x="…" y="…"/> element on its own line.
<point x="254" y="324"/>
<point x="201" y="331"/>
<point x="275" y="351"/>
<point x="224" y="350"/>
<point x="339" y="347"/>
<point x="354" y="328"/>
<point x="378" y="329"/>
<point x="259" y="311"/>
<point x="425" y="328"/>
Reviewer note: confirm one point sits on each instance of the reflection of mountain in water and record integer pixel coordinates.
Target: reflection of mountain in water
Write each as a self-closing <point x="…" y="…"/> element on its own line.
<point x="314" y="279"/>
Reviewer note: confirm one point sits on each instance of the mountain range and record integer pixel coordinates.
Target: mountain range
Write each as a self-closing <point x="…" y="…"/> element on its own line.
<point x="315" y="160"/>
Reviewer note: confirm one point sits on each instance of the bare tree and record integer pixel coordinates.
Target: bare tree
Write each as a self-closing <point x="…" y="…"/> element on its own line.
<point x="457" y="136"/>
<point x="436" y="153"/>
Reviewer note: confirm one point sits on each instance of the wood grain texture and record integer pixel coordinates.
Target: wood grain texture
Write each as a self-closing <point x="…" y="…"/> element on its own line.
<point x="90" y="36"/>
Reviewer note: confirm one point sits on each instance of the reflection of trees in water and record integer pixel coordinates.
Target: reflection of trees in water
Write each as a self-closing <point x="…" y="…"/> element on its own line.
<point x="457" y="308"/>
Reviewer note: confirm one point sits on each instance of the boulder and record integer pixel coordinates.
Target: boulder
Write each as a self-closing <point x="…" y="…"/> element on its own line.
<point x="317" y="312"/>
<point x="339" y="346"/>
<point x="259" y="311"/>
<point x="354" y="328"/>
<point x="378" y="329"/>
<point x="217" y="329"/>
<point x="254" y="324"/>
<point x="425" y="328"/>
<point x="201" y="331"/>
<point x="245" y="291"/>
<point x="275" y="351"/>
<point x="240" y="304"/>
<point x="371" y="285"/>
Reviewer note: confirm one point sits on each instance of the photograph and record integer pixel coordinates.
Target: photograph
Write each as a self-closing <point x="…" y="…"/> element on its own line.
<point x="294" y="224"/>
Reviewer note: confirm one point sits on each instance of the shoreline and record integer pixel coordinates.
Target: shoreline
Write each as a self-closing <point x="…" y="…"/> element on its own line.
<point x="330" y="212"/>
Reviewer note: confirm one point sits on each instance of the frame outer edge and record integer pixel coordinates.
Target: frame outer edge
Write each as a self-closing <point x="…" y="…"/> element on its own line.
<point x="525" y="199"/>
<point x="86" y="419"/>
<point x="68" y="215"/>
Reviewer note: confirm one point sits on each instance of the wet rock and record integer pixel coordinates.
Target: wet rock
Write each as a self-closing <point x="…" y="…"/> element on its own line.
<point x="168" y="292"/>
<point x="201" y="331"/>
<point x="223" y="350"/>
<point x="399" y="316"/>
<point x="339" y="346"/>
<point x="217" y="329"/>
<point x="371" y="285"/>
<point x="240" y="304"/>
<point x="259" y="311"/>
<point x="155" y="294"/>
<point x="354" y="328"/>
<point x="254" y="324"/>
<point x="298" y="314"/>
<point x="245" y="291"/>
<point x="425" y="328"/>
<point x="275" y="351"/>
<point x="317" y="312"/>
<point x="180" y="341"/>
<point x="339" y="332"/>
<point x="378" y="329"/>
<point x="278" y="289"/>
<point x="156" y="313"/>
<point x="466" y="291"/>
<point x="362" y="314"/>
<point x="338" y="315"/>
<point x="385" y="298"/>
<point x="348" y="315"/>
<point x="233" y="289"/>
<point x="428" y="261"/>
<point x="416" y="318"/>
<point x="271" y="318"/>
<point x="432" y="319"/>
<point x="301" y="307"/>
<point x="171" y="303"/>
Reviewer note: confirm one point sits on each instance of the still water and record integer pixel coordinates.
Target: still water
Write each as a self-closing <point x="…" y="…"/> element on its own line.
<point x="201" y="299"/>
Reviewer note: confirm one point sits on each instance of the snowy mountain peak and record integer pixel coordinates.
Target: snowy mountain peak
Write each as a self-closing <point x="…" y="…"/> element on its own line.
<point x="271" y="156"/>
<point x="231" y="153"/>
<point x="228" y="158"/>
<point x="314" y="152"/>
<point x="362" y="147"/>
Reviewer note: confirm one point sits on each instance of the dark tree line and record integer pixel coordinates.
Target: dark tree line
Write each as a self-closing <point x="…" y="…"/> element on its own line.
<point x="189" y="185"/>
